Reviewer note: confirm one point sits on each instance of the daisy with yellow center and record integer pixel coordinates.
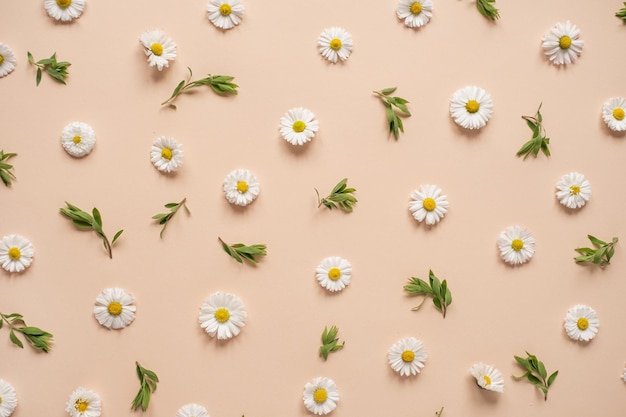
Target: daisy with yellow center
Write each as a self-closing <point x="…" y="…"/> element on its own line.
<point x="241" y="187"/>
<point x="561" y="43"/>
<point x="614" y="112"/>
<point x="7" y="60"/>
<point x="298" y="126"/>
<point x="114" y="308"/>
<point x="415" y="13"/>
<point x="222" y="315"/>
<point x="334" y="273"/>
<point x="581" y="323"/>
<point x="225" y="14"/>
<point x="8" y="399"/>
<point x="192" y="410"/>
<point x="78" y="139"/>
<point x="573" y="190"/>
<point x="320" y="395"/>
<point x="516" y="245"/>
<point x="166" y="154"/>
<point x="16" y="253"/>
<point x="407" y="356"/>
<point x="487" y="377"/>
<point x="471" y="107"/>
<point x="159" y="48"/>
<point x="84" y="403"/>
<point x="64" y="10"/>
<point x="335" y="43"/>
<point x="428" y="204"/>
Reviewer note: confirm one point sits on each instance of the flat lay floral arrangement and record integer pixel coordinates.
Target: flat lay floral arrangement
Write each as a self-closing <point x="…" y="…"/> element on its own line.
<point x="222" y="315"/>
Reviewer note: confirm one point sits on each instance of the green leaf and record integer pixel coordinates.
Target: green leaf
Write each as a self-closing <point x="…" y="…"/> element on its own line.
<point x="340" y="194"/>
<point x="38" y="76"/>
<point x="552" y="378"/>
<point x="84" y="220"/>
<point x="15" y="340"/>
<point x="393" y="120"/>
<point x="239" y="251"/>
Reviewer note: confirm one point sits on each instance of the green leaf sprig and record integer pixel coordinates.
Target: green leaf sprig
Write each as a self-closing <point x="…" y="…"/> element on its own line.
<point x="330" y="342"/>
<point x="487" y="9"/>
<point x="438" y="290"/>
<point x="536" y="373"/>
<point x="221" y="84"/>
<point x="239" y="251"/>
<point x="148" y="384"/>
<point x="393" y="115"/>
<point x="340" y="197"/>
<point x="600" y="256"/>
<point x="37" y="338"/>
<point x="539" y="141"/>
<point x="5" y="169"/>
<point x="621" y="13"/>
<point x="439" y="413"/>
<point x="163" y="218"/>
<point x="57" y="70"/>
<point x="85" y="221"/>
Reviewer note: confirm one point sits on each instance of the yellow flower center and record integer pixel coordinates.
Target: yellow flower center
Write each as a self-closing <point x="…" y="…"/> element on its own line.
<point x="242" y="186"/>
<point x="618" y="113"/>
<point x="166" y="153"/>
<point x="225" y="9"/>
<point x="222" y="315"/>
<point x="1" y="59"/>
<point x="487" y="380"/>
<point x="334" y="274"/>
<point x="472" y="106"/>
<point x="416" y="8"/>
<point x="115" y="308"/>
<point x="76" y="139"/>
<point x="408" y="356"/>
<point x="320" y="395"/>
<point x="429" y="204"/>
<point x="64" y="3"/>
<point x="81" y="405"/>
<point x="565" y="42"/>
<point x="582" y="323"/>
<point x="574" y="189"/>
<point x="299" y="126"/>
<point x="157" y="49"/>
<point x="14" y="253"/>
<point x="335" y="44"/>
<point x="0" y="399"/>
<point x="517" y="244"/>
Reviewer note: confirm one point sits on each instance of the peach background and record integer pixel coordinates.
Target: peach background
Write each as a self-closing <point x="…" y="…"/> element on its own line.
<point x="498" y="311"/>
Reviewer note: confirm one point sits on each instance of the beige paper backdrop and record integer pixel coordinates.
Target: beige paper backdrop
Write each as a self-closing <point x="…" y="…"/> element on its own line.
<point x="498" y="311"/>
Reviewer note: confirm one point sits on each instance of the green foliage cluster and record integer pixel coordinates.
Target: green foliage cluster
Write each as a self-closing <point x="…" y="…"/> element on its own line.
<point x="37" y="338"/>
<point x="57" y="70"/>
<point x="438" y="290"/>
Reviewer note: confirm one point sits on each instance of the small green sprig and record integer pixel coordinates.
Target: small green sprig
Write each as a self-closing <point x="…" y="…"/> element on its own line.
<point x="487" y="9"/>
<point x="600" y="256"/>
<point x="330" y="342"/>
<point x="438" y="290"/>
<point x="163" y="218"/>
<point x="57" y="70"/>
<point x="86" y="221"/>
<point x="239" y="251"/>
<point x="439" y="413"/>
<point x="5" y="169"/>
<point x="393" y="115"/>
<point x="37" y="338"/>
<point x="221" y="84"/>
<point x="621" y="13"/>
<point x="148" y="384"/>
<point x="536" y="373"/>
<point x="340" y="197"/>
<point x="539" y="141"/>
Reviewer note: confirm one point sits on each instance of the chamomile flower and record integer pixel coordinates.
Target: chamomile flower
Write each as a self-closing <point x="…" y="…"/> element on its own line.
<point x="561" y="43"/>
<point x="613" y="113"/>
<point x="516" y="244"/>
<point x="78" y="139"/>
<point x="225" y="14"/>
<point x="581" y="323"/>
<point x="415" y="13"/>
<point x="64" y="10"/>
<point x="8" y="399"/>
<point x="166" y="155"/>
<point x="159" y="48"/>
<point x="192" y="410"/>
<point x="428" y="204"/>
<point x="222" y="314"/>
<point x="573" y="190"/>
<point x="320" y="395"/>
<point x="487" y="377"/>
<point x="7" y="60"/>
<point x="16" y="253"/>
<point x="241" y="187"/>
<point x="113" y="308"/>
<point x="334" y="273"/>
<point x="335" y="43"/>
<point x="298" y="126"/>
<point x="84" y="403"/>
<point x="407" y="356"/>
<point x="471" y="107"/>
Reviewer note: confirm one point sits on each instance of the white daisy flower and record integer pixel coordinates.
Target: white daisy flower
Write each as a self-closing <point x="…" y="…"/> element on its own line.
<point x="298" y="126"/>
<point x="320" y="395"/>
<point x="517" y="245"/>
<point x="16" y="253"/>
<point x="113" y="308"/>
<point x="428" y="203"/>
<point x="222" y="314"/>
<point x="78" y="139"/>
<point x="471" y="107"/>
<point x="581" y="323"/>
<point x="64" y="10"/>
<point x="192" y="410"/>
<point x="335" y="43"/>
<point x="225" y="14"/>
<point x="407" y="356"/>
<point x="7" y="60"/>
<point x="573" y="190"/>
<point x="166" y="155"/>
<point x="415" y="13"/>
<point x="159" y="48"/>
<point x="561" y="44"/>
<point x="8" y="399"/>
<point x="84" y="403"/>
<point x="612" y="113"/>
<point x="487" y="377"/>
<point x="334" y="273"/>
<point x="241" y="187"/>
